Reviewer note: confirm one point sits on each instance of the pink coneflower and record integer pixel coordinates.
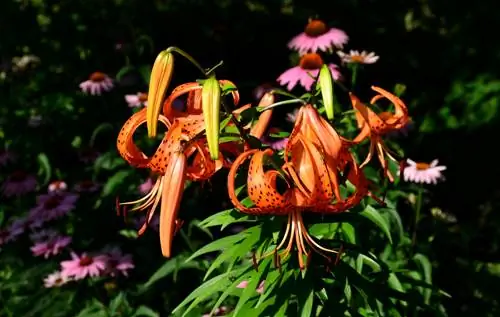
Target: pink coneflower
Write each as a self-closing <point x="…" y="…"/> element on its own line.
<point x="97" y="83"/>
<point x="57" y="186"/>
<point x="50" y="244"/>
<point x="55" y="279"/>
<point x="220" y="311"/>
<point x="318" y="36"/>
<point x="26" y="223"/>
<point x="356" y="57"/>
<point x="119" y="262"/>
<point x="260" y="288"/>
<point x="84" y="265"/>
<point x="18" y="183"/>
<point x="53" y="206"/>
<point x="423" y="172"/>
<point x="146" y="187"/>
<point x="305" y="73"/>
<point x="137" y="100"/>
<point x="87" y="186"/>
<point x="6" y="157"/>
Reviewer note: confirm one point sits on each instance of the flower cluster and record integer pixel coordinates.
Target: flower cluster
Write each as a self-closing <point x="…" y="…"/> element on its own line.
<point x="317" y="40"/>
<point x="314" y="169"/>
<point x="41" y="221"/>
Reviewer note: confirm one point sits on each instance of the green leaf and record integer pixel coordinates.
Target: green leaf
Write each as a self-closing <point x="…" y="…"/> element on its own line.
<point x="374" y="216"/>
<point x="395" y="216"/>
<point x="394" y="283"/>
<point x="253" y="283"/>
<point x="426" y="267"/>
<point x="349" y="232"/>
<point x="217" y="245"/>
<point x="224" y="218"/>
<point x="306" y="309"/>
<point x="175" y="264"/>
<point x="145" y="312"/>
<point x="114" y="181"/>
<point x="45" y="168"/>
<point x="124" y="70"/>
<point x="324" y="230"/>
<point x="108" y="161"/>
<point x="102" y="127"/>
<point x="207" y="289"/>
<point x="117" y="303"/>
<point x="128" y="233"/>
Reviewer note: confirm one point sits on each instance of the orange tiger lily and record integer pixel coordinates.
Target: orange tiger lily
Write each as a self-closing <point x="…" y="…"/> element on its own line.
<point x="374" y="126"/>
<point x="180" y="145"/>
<point x="170" y="162"/>
<point x="317" y="158"/>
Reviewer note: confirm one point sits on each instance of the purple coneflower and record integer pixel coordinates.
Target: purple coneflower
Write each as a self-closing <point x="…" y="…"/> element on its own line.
<point x="317" y="36"/>
<point x="96" y="84"/>
<point x="48" y="243"/>
<point x="356" y="57"/>
<point x="81" y="266"/>
<point x="423" y="172"/>
<point x="55" y="279"/>
<point x="54" y="205"/>
<point x="137" y="100"/>
<point x="18" y="183"/>
<point x="119" y="263"/>
<point x="306" y="72"/>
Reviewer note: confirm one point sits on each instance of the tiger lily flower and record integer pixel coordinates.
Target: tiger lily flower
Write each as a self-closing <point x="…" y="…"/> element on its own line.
<point x="374" y="126"/>
<point x="317" y="161"/>
<point x="183" y="154"/>
<point x="170" y="162"/>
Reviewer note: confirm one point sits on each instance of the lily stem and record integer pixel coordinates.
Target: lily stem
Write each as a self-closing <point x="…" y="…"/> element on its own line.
<point x="209" y="72"/>
<point x="188" y="57"/>
<point x="280" y="103"/>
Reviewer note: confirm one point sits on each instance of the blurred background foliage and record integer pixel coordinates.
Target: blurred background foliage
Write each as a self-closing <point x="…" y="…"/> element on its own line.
<point x="443" y="52"/>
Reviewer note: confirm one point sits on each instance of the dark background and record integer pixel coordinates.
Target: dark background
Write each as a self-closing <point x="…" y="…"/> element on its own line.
<point x="446" y="53"/>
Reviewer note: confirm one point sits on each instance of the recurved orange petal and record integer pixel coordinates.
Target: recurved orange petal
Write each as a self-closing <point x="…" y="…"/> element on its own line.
<point x="171" y="197"/>
<point x="125" y="141"/>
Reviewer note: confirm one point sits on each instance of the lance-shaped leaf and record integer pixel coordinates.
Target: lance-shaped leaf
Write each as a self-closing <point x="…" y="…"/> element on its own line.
<point x="158" y="84"/>
<point x="326" y="87"/>
<point x="210" y="96"/>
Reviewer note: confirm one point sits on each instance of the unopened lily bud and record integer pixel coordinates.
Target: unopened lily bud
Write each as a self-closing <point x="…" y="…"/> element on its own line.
<point x="326" y="87"/>
<point x="210" y="99"/>
<point x="158" y="85"/>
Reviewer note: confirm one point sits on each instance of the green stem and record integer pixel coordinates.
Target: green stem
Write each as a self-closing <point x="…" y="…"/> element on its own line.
<point x="188" y="57"/>
<point x="209" y="72"/>
<point x="354" y="75"/>
<point x="280" y="103"/>
<point x="418" y="208"/>
<point x="284" y="93"/>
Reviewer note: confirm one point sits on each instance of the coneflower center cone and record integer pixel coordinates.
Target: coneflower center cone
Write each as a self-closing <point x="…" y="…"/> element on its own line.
<point x="97" y="76"/>
<point x="422" y="166"/>
<point x="315" y="28"/>
<point x="142" y="97"/>
<point x="311" y="61"/>
<point x="86" y="261"/>
<point x="52" y="202"/>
